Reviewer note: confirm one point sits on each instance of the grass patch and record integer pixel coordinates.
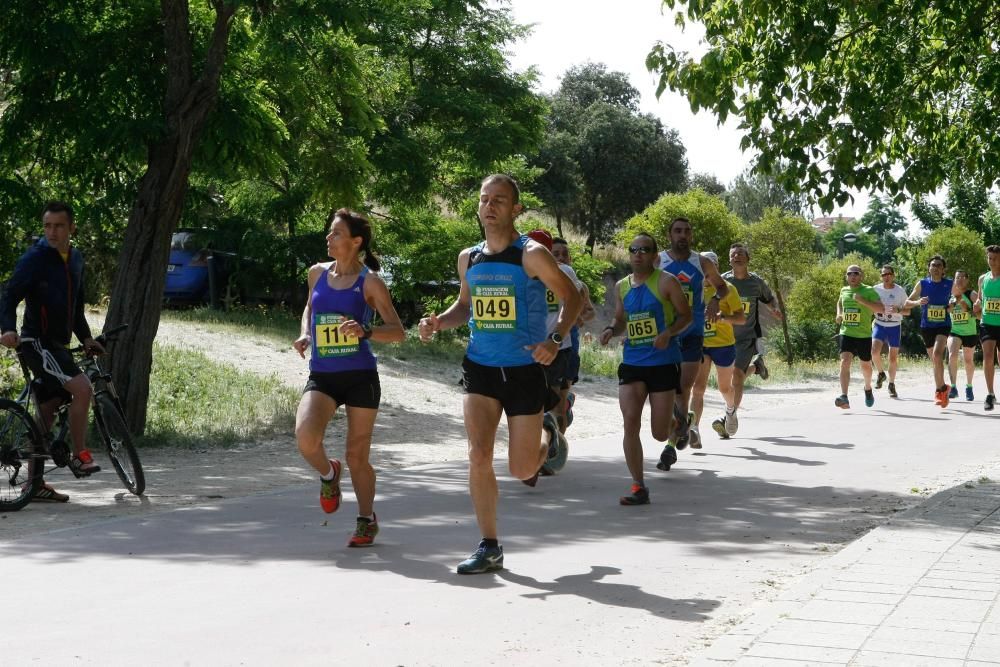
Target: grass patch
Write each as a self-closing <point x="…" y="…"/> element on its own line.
<point x="276" y="324"/>
<point x="197" y="402"/>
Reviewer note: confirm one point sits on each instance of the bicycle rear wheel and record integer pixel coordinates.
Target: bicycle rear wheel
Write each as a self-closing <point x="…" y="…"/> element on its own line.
<point x="21" y="465"/>
<point x="118" y="441"/>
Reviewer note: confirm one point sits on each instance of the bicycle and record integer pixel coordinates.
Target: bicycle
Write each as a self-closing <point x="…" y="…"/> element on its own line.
<point x="25" y="445"/>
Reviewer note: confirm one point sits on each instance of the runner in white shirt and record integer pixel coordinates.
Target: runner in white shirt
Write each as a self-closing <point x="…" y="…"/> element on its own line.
<point x="887" y="328"/>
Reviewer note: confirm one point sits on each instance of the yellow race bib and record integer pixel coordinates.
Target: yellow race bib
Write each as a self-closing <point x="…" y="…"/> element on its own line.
<point x="746" y="306"/>
<point x="992" y="306"/>
<point x="711" y="331"/>
<point x="641" y="328"/>
<point x="329" y="339"/>
<point x="551" y="301"/>
<point x="959" y="317"/>
<point x="494" y="308"/>
<point x="852" y="317"/>
<point x="936" y="313"/>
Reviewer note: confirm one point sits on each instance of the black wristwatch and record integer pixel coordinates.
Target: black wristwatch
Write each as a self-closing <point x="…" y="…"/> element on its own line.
<point x="368" y="332"/>
<point x="556" y="337"/>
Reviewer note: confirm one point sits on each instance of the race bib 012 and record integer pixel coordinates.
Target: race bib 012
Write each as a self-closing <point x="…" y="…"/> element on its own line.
<point x="852" y="317"/>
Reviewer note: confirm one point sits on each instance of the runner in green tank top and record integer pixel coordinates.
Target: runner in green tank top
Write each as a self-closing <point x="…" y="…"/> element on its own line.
<point x="856" y="307"/>
<point x="988" y="306"/>
<point x="964" y="335"/>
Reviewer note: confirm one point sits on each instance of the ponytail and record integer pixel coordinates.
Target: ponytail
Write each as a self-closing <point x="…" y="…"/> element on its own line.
<point x="359" y="226"/>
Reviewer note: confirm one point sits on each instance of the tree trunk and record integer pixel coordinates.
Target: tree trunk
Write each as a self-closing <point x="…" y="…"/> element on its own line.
<point x="137" y="291"/>
<point x="559" y="225"/>
<point x="784" y="324"/>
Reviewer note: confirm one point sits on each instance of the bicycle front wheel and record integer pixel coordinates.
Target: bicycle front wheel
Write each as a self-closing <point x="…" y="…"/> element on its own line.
<point x="118" y="441"/>
<point x="21" y="465"/>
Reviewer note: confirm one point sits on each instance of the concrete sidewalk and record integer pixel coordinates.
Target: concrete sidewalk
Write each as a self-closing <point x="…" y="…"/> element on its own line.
<point x="921" y="590"/>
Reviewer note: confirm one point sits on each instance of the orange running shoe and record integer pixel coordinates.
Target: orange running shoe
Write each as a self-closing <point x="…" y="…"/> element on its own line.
<point x="365" y="532"/>
<point x="329" y="490"/>
<point x="944" y="396"/>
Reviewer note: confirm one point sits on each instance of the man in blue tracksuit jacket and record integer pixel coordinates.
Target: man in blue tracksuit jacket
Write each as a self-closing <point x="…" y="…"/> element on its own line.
<point x="49" y="279"/>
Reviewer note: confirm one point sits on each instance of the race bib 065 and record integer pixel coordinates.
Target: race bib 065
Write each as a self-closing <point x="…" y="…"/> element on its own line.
<point x="641" y="328"/>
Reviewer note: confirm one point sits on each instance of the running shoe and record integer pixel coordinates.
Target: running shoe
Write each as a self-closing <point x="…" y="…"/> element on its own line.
<point x="880" y="380"/>
<point x="682" y="439"/>
<point x="892" y="390"/>
<point x="694" y="439"/>
<point x="938" y="396"/>
<point x="48" y="494"/>
<point x="988" y="405"/>
<point x="758" y="363"/>
<point x="869" y="398"/>
<point x="953" y="392"/>
<point x="82" y="465"/>
<point x="969" y="396"/>
<point x="549" y="424"/>
<point x="638" y="495"/>
<point x="329" y="490"/>
<point x="485" y="559"/>
<point x="944" y="396"/>
<point x="732" y="423"/>
<point x="570" y="402"/>
<point x="842" y="402"/>
<point x="364" y="532"/>
<point x="668" y="456"/>
<point x="719" y="426"/>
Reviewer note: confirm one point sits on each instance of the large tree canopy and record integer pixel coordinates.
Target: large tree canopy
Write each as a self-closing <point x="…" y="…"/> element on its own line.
<point x="602" y="160"/>
<point x="300" y="106"/>
<point x="894" y="95"/>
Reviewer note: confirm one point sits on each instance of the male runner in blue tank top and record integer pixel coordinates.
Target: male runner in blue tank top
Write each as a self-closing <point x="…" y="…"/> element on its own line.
<point x="933" y="295"/>
<point x="502" y="299"/>
<point x="691" y="270"/>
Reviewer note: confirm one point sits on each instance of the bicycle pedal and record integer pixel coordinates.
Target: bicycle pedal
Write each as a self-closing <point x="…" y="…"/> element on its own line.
<point x="60" y="453"/>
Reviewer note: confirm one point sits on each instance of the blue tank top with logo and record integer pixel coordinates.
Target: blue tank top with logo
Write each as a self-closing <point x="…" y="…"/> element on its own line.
<point x="647" y="315"/>
<point x="692" y="281"/>
<point x="935" y="313"/>
<point x="332" y="350"/>
<point x="507" y="309"/>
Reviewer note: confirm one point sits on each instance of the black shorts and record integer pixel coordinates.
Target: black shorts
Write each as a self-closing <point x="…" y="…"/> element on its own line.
<point x="859" y="347"/>
<point x="52" y="367"/>
<point x="573" y="367"/>
<point x="746" y="350"/>
<point x="989" y="332"/>
<point x="691" y="347"/>
<point x="930" y="334"/>
<point x="356" y="389"/>
<point x="968" y="341"/>
<point x="557" y="373"/>
<point x="521" y="390"/>
<point x="657" y="378"/>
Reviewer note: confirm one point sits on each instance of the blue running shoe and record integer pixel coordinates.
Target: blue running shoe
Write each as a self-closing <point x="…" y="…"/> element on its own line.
<point x="968" y="393"/>
<point x="953" y="393"/>
<point x="486" y="559"/>
<point x="869" y="398"/>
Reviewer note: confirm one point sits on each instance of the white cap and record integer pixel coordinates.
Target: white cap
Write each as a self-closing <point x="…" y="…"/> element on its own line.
<point x="708" y="254"/>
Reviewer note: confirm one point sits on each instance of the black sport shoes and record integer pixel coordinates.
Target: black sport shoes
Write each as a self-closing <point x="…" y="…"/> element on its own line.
<point x="880" y="380"/>
<point x="638" y="495"/>
<point x="668" y="457"/>
<point x="485" y="559"/>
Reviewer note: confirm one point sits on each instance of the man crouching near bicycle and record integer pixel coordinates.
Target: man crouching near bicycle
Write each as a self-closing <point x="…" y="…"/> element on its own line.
<point x="49" y="279"/>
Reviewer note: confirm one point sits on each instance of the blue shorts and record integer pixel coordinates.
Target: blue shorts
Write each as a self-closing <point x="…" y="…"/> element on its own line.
<point x="888" y="335"/>
<point x="722" y="357"/>
<point x="691" y="346"/>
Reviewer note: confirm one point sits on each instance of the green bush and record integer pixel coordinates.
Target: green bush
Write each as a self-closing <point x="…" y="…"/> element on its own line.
<point x="962" y="249"/>
<point x="810" y="340"/>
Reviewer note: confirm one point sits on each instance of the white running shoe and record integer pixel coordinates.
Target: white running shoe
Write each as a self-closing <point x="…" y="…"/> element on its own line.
<point x="694" y="439"/>
<point x="732" y="423"/>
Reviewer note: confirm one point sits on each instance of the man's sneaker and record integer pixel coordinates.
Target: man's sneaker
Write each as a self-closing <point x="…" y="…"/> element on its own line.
<point x="937" y="396"/>
<point x="988" y="405"/>
<point x="953" y="392"/>
<point x="869" y="398"/>
<point x="682" y="439"/>
<point x="880" y="380"/>
<point x="969" y="396"/>
<point x="638" y="495"/>
<point x="570" y="402"/>
<point x="943" y="396"/>
<point x="668" y="456"/>
<point x="842" y="402"/>
<point x="329" y="490"/>
<point x="82" y="465"/>
<point x="46" y="493"/>
<point x="732" y="423"/>
<point x="760" y="366"/>
<point x="694" y="439"/>
<point x="486" y="559"/>
<point x="719" y="426"/>
<point x="364" y="532"/>
<point x="892" y="390"/>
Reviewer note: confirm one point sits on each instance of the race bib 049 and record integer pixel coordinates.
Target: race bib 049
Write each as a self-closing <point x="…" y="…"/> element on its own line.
<point x="641" y="328"/>
<point x="330" y="340"/>
<point x="493" y="308"/>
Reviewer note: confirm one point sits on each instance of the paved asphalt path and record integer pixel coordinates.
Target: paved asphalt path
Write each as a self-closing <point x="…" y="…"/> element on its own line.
<point x="268" y="579"/>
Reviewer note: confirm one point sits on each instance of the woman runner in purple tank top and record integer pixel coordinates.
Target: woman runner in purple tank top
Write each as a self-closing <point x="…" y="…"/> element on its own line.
<point x="336" y="327"/>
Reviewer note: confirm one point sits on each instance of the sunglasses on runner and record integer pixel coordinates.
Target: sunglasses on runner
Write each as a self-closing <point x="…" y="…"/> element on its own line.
<point x="886" y="274"/>
<point x="854" y="273"/>
<point x="641" y="250"/>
